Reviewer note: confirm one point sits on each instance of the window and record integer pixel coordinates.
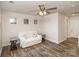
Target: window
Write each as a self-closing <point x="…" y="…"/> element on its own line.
<point x="12" y="20"/>
<point x="26" y="21"/>
<point x="35" y="22"/>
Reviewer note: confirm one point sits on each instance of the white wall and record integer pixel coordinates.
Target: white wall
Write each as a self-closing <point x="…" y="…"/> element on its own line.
<point x="11" y="30"/>
<point x="0" y="27"/>
<point x="49" y="26"/>
<point x="62" y="27"/>
<point x="74" y="26"/>
<point x="55" y="27"/>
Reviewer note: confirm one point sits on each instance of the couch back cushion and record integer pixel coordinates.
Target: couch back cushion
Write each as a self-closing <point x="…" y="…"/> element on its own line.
<point x="28" y="34"/>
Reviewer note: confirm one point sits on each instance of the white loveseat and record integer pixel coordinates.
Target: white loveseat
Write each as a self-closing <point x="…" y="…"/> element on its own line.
<point x="29" y="38"/>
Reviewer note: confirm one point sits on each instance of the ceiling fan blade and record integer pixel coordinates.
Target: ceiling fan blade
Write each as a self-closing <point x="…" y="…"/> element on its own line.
<point x="41" y="7"/>
<point x="76" y="12"/>
<point x="50" y="11"/>
<point x="51" y="8"/>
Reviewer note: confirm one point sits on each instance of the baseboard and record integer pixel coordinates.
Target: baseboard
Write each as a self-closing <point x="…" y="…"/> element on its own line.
<point x="51" y="41"/>
<point x="72" y="37"/>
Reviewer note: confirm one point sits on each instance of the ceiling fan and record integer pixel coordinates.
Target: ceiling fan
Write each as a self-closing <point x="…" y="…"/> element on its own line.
<point x="44" y="11"/>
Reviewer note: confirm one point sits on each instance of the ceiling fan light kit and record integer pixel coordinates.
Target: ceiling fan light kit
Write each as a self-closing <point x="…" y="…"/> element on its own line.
<point x="44" y="12"/>
<point x="41" y="13"/>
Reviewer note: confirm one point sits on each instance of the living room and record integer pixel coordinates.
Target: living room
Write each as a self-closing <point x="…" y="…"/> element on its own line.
<point x="58" y="22"/>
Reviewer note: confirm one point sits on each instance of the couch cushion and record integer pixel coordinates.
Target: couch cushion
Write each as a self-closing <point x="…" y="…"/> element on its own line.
<point x="28" y="34"/>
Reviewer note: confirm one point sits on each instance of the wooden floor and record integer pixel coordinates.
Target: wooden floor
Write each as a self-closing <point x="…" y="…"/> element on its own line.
<point x="45" y="49"/>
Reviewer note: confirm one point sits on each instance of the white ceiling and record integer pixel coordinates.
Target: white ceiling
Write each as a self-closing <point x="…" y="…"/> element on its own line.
<point x="29" y="7"/>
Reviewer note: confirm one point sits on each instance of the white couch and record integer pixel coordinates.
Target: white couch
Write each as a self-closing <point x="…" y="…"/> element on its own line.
<point x="29" y="38"/>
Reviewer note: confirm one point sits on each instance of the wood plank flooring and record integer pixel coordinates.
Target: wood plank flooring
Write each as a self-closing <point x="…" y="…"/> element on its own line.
<point x="68" y="48"/>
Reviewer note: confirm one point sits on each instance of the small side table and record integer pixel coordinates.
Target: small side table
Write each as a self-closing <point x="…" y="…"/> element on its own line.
<point x="13" y="45"/>
<point x="43" y="36"/>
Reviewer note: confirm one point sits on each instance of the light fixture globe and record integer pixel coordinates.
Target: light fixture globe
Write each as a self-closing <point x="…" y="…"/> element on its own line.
<point x="41" y="13"/>
<point x="45" y="12"/>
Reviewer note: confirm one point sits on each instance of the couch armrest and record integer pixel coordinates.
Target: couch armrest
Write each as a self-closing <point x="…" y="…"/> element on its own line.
<point x="39" y="36"/>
